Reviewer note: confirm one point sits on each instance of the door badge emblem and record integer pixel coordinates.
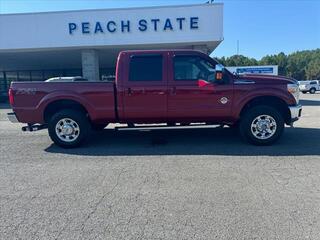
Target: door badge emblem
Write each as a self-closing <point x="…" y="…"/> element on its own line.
<point x="224" y="100"/>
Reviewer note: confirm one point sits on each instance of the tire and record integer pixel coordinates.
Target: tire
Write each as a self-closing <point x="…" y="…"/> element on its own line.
<point x="312" y="91"/>
<point x="304" y="92"/>
<point x="265" y="117"/>
<point x="68" y="120"/>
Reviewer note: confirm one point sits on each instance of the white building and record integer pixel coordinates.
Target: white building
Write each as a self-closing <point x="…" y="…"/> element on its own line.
<point x="36" y="46"/>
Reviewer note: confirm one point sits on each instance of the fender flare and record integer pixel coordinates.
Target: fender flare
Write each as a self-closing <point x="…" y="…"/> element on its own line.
<point x="65" y="95"/>
<point x="258" y="93"/>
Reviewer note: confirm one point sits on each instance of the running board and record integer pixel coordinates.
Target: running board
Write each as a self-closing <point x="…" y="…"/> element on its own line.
<point x="161" y="127"/>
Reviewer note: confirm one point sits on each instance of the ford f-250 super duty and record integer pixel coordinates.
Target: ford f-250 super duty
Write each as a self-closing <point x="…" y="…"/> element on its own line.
<point x="159" y="86"/>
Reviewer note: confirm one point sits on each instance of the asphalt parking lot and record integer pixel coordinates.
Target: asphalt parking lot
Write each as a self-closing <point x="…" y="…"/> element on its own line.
<point x="168" y="184"/>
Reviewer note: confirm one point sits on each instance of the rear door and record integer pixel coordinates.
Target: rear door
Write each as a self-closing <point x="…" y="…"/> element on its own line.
<point x="145" y="87"/>
<point x="188" y="101"/>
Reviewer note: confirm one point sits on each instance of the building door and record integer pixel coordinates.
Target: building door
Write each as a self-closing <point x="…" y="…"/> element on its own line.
<point x="145" y="88"/>
<point x="189" y="101"/>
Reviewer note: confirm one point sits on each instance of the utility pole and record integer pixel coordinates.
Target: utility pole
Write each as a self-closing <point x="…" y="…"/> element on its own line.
<point x="237" y="47"/>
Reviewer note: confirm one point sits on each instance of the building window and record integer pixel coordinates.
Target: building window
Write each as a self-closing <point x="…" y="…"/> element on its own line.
<point x="37" y="76"/>
<point x="72" y="72"/>
<point x="3" y="84"/>
<point x="52" y="73"/>
<point x="11" y="77"/>
<point x="145" y="68"/>
<point x="24" y="76"/>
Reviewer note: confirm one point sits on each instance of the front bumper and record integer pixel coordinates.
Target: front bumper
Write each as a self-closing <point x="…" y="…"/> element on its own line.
<point x="295" y="112"/>
<point x="12" y="117"/>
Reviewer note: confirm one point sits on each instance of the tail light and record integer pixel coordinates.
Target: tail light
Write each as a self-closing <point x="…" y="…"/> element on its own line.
<point x="11" y="98"/>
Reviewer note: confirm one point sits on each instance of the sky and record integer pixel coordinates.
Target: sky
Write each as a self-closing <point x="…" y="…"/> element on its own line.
<point x="261" y="26"/>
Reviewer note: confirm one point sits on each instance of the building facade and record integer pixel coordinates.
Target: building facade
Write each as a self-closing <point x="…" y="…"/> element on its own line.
<point x="37" y="46"/>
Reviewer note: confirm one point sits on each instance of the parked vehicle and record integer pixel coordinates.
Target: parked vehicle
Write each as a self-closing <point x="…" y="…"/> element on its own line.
<point x="160" y="86"/>
<point x="67" y="79"/>
<point x="309" y="86"/>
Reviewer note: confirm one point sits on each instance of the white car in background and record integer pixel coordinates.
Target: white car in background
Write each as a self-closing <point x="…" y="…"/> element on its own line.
<point x="309" y="86"/>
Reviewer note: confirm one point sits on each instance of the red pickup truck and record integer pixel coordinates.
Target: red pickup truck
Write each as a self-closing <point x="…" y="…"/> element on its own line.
<point x="159" y="86"/>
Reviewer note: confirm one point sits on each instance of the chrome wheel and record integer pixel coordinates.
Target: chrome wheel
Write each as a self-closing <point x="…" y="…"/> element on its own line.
<point x="263" y="127"/>
<point x="67" y="130"/>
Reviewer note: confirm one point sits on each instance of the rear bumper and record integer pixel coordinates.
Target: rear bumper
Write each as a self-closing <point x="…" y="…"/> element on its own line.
<point x="295" y="112"/>
<point x="12" y="117"/>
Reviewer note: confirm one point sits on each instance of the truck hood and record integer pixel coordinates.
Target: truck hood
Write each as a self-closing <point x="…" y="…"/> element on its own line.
<point x="266" y="79"/>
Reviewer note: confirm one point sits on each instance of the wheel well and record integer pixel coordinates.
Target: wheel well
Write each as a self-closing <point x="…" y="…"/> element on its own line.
<point x="271" y="101"/>
<point x="58" y="105"/>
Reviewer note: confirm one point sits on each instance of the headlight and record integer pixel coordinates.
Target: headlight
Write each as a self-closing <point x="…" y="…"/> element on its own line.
<point x="294" y="90"/>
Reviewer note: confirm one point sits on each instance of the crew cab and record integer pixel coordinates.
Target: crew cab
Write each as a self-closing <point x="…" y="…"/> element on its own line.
<point x="159" y="86"/>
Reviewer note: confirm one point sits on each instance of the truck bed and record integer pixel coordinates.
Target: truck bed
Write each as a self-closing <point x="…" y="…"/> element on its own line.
<point x="32" y="98"/>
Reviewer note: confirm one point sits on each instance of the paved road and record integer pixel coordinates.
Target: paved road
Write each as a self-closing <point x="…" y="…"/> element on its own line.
<point x="177" y="184"/>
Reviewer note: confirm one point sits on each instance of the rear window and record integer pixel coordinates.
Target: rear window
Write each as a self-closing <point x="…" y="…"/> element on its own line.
<point x="145" y="68"/>
<point x="314" y="82"/>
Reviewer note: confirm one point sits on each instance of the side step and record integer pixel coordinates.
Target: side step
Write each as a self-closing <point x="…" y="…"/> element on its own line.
<point x="164" y="127"/>
<point x="33" y="128"/>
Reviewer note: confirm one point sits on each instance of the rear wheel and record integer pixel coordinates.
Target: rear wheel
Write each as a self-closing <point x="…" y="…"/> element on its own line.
<point x="312" y="90"/>
<point x="262" y="125"/>
<point x="68" y="128"/>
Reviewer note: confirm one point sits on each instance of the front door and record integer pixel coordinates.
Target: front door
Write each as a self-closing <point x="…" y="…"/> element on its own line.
<point x="145" y="88"/>
<point x="189" y="101"/>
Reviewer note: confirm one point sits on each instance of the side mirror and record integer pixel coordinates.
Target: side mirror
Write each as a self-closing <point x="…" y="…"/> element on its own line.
<point x="219" y="72"/>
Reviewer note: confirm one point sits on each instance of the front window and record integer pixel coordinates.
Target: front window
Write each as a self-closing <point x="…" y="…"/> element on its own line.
<point x="193" y="68"/>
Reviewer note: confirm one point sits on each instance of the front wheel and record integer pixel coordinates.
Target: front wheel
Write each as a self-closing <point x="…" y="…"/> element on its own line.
<point x="68" y="128"/>
<point x="262" y="125"/>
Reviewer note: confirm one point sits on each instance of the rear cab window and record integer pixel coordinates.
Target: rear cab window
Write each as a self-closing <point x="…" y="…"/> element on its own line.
<point x="146" y="68"/>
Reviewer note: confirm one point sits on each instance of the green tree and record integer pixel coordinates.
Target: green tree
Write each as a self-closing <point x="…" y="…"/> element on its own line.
<point x="313" y="69"/>
<point x="279" y="59"/>
<point x="301" y="65"/>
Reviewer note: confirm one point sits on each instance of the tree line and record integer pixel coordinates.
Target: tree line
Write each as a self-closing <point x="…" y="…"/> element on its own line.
<point x="301" y="65"/>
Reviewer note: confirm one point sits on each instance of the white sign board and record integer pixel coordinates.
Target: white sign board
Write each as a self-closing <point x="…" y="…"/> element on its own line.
<point x="267" y="70"/>
<point x="112" y="27"/>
